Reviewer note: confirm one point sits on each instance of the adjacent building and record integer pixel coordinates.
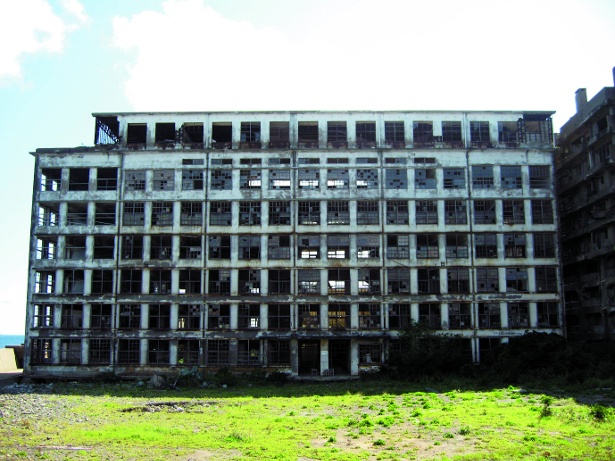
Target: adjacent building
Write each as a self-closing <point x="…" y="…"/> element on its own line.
<point x="301" y="242"/>
<point x="586" y="191"/>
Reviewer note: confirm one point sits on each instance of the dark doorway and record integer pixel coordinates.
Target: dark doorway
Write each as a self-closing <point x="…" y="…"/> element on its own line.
<point x="339" y="355"/>
<point x="309" y="357"/>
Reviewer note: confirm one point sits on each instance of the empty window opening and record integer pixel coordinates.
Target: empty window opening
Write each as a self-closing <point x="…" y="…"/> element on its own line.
<point x="487" y="279"/>
<point x="188" y="351"/>
<point x="489" y="315"/>
<point x="309" y="316"/>
<point x="220" y="247"/>
<point x="192" y="180"/>
<point x="338" y="246"/>
<point x="220" y="282"/>
<point x="451" y="134"/>
<point x="248" y="352"/>
<point x="338" y="213"/>
<point x="427" y="246"/>
<point x="74" y="247"/>
<point x="486" y="245"/>
<point x="128" y="352"/>
<point x="104" y="247"/>
<point x="513" y="211"/>
<point x="104" y="214"/>
<point x="72" y="316"/>
<point x="368" y="246"/>
<point x="516" y="279"/>
<point x="482" y="177"/>
<point x="218" y="317"/>
<point x="394" y="135"/>
<point x="134" y="214"/>
<point x="51" y="179"/>
<point x="397" y="212"/>
<point x="218" y="352"/>
<point x="190" y="281"/>
<point x="398" y="246"/>
<point x="162" y="213"/>
<point x="279" y="135"/>
<point x="159" y="281"/>
<point x="107" y="130"/>
<point x="250" y="179"/>
<point x="538" y="129"/>
<point x="164" y="179"/>
<point x="396" y="179"/>
<point x="429" y="281"/>
<point x="161" y="247"/>
<point x="49" y="215"/>
<point x="136" y="135"/>
<point x="132" y="247"/>
<point x="279" y="317"/>
<point x="188" y="317"/>
<point x="337" y="135"/>
<point x="484" y="211"/>
<point x="249" y="213"/>
<point x="307" y="135"/>
<point x="309" y="178"/>
<point x="368" y="281"/>
<point x="458" y="279"/>
<point x="74" y="281"/>
<point x="165" y="135"/>
<point x="70" y="351"/>
<point x="308" y="246"/>
<point x="547" y="314"/>
<point x="131" y="281"/>
<point x="368" y="212"/>
<point x="278" y="353"/>
<point x="540" y="177"/>
<point x="134" y="180"/>
<point x="222" y="135"/>
<point x="191" y="214"/>
<point x="250" y="135"/>
<point x="518" y="315"/>
<point x="248" y="316"/>
<point x="249" y="281"/>
<point x="546" y="279"/>
<point x="366" y="135"/>
<point x="41" y="351"/>
<point x="544" y="245"/>
<point x="78" y="179"/>
<point x="46" y="247"/>
<point x="101" y="316"/>
<point x="309" y="213"/>
<point x="369" y="316"/>
<point x="459" y="316"/>
<point x="399" y="316"/>
<point x="279" y="179"/>
<point x="514" y="245"/>
<point x="278" y="247"/>
<point x="339" y="281"/>
<point x="279" y="282"/>
<point x="158" y="351"/>
<point x="426" y="212"/>
<point x="511" y="177"/>
<point x="508" y="134"/>
<point x="422" y="133"/>
<point x="279" y="213"/>
<point x="398" y="280"/>
<point x="308" y="281"/>
<point x="190" y="247"/>
<point x="220" y="214"/>
<point x="192" y="135"/>
<point x="479" y="134"/>
<point x="99" y="352"/>
<point x="455" y="212"/>
<point x="456" y="246"/>
<point x="430" y="316"/>
<point x="339" y="316"/>
<point x="249" y="247"/>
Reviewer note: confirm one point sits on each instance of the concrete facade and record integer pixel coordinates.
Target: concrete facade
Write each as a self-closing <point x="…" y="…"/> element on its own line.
<point x="585" y="187"/>
<point x="301" y="242"/>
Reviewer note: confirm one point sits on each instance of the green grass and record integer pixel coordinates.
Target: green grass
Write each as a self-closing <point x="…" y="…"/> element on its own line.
<point x="337" y="422"/>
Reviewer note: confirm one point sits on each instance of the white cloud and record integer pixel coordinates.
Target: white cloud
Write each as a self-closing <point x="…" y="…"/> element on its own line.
<point x="31" y="26"/>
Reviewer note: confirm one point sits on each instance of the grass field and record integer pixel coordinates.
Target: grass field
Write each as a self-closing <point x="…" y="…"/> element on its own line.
<point x="374" y="420"/>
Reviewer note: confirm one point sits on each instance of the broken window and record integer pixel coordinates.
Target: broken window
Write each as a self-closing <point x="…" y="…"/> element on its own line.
<point x="484" y="211"/>
<point x="192" y="135"/>
<point x="507" y="134"/>
<point x="479" y="134"/>
<point x="190" y="247"/>
<point x="456" y="246"/>
<point x="278" y="353"/>
<point x="220" y="247"/>
<point x="219" y="317"/>
<point x="79" y="179"/>
<point x="338" y="213"/>
<point x="309" y="316"/>
<point x="74" y="247"/>
<point x="41" y="351"/>
<point x="192" y="180"/>
<point x="546" y="279"/>
<point x="339" y="281"/>
<point x="136" y="135"/>
<point x="134" y="214"/>
<point x="366" y="178"/>
<point x="430" y="316"/>
<point x="429" y="281"/>
<point x="221" y="161"/>
<point x="278" y="247"/>
<point x="46" y="247"/>
<point x="164" y="179"/>
<point x="131" y="281"/>
<point x="70" y="352"/>
<point x="134" y="180"/>
<point x="309" y="178"/>
<point x="249" y="281"/>
<point x="102" y="282"/>
<point x="162" y="213"/>
<point x="309" y="213"/>
<point x="191" y="214"/>
<point x="422" y="133"/>
<point x="107" y="130"/>
<point x="249" y="213"/>
<point x="74" y="281"/>
<point x="279" y="179"/>
<point x="398" y="280"/>
<point x="369" y="316"/>
<point x="368" y="212"/>
<point x="161" y="247"/>
<point x="396" y="178"/>
<point x="222" y="135"/>
<point x="190" y="281"/>
<point x="338" y="179"/>
<point x="250" y="179"/>
<point x="101" y="316"/>
<point x="49" y="215"/>
<point x="518" y="315"/>
<point x="339" y="316"/>
<point x="458" y="279"/>
<point x="72" y="316"/>
<point x="42" y="316"/>
<point x="337" y="135"/>
<point x="104" y="214"/>
<point x="159" y="317"/>
<point x="159" y="281"/>
<point x="514" y="211"/>
<point x="459" y="316"/>
<point x="279" y="281"/>
<point x="106" y="179"/>
<point x="308" y="135"/>
<point x="104" y="247"/>
<point x="132" y="247"/>
<point x="486" y="245"/>
<point x="220" y="214"/>
<point x="399" y="316"/>
<point x="308" y="246"/>
<point x="308" y="281"/>
<point x="426" y="212"/>
<point x="514" y="245"/>
<point x="425" y="178"/>
<point x="99" y="352"/>
<point x="368" y="246"/>
<point x="250" y="135"/>
<point x="487" y="279"/>
<point x="248" y="352"/>
<point x="368" y="281"/>
<point x="482" y="177"/>
<point x="188" y="317"/>
<point x="511" y="177"/>
<point x="516" y="279"/>
<point x="542" y="211"/>
<point x="454" y="178"/>
<point x="249" y="247"/>
<point x="248" y="316"/>
<point x="279" y="317"/>
<point x="218" y="352"/>
<point x="544" y="245"/>
<point x="77" y="214"/>
<point x="219" y="282"/>
<point x="221" y="180"/>
<point x="547" y="314"/>
<point x="455" y="212"/>
<point x="540" y="177"/>
<point x="427" y="246"/>
<point x="130" y="316"/>
<point x="158" y="351"/>
<point x="397" y="212"/>
<point x="489" y="315"/>
<point x="128" y="352"/>
<point x="398" y="246"/>
<point x="451" y="133"/>
<point x="188" y="352"/>
<point x="279" y="213"/>
<point x="394" y="134"/>
<point x="538" y="129"/>
<point x="279" y="135"/>
<point x="366" y="135"/>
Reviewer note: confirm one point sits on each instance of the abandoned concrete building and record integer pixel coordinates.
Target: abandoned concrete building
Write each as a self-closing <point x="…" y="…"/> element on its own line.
<point x="585" y="187"/>
<point x="301" y="242"/>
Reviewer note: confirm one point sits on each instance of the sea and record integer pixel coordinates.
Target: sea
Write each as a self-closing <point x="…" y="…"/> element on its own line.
<point x="10" y="340"/>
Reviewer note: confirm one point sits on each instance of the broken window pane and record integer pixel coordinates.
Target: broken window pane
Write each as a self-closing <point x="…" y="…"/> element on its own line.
<point x="394" y="134"/>
<point x="398" y="280"/>
<point x="250" y="179"/>
<point x="487" y="279"/>
<point x="427" y="246"/>
<point x="518" y="315"/>
<point x="134" y="180"/>
<point x="278" y="247"/>
<point x="459" y="316"/>
<point x="369" y="281"/>
<point x="479" y="134"/>
<point x="456" y="246"/>
<point x="455" y="212"/>
<point x="221" y="180"/>
<point x="423" y="134"/>
<point x="338" y="213"/>
<point x="250" y="135"/>
<point x="540" y="177"/>
<point x="220" y="247"/>
<point x="220" y="214"/>
<point x="366" y="178"/>
<point x="279" y="213"/>
<point x="486" y="245"/>
<point x="484" y="211"/>
<point x="398" y="246"/>
<point x="426" y="212"/>
<point x="131" y="281"/>
<point x="339" y="281"/>
<point x="308" y="135"/>
<point x="190" y="281"/>
<point x="134" y="214"/>
<point x="159" y="281"/>
<point x="451" y="134"/>
<point x="337" y="135"/>
<point x="219" y="282"/>
<point x="249" y="213"/>
<point x="192" y="180"/>
<point x="368" y="212"/>
<point x="514" y="211"/>
<point x="425" y="178"/>
<point x="218" y="317"/>
<point x="191" y="214"/>
<point x="366" y="135"/>
<point x="489" y="315"/>
<point x="249" y="281"/>
<point x="279" y="179"/>
<point x="279" y="281"/>
<point x="309" y="213"/>
<point x="482" y="177"/>
<point x="454" y="178"/>
<point x="161" y="247"/>
<point x="192" y="135"/>
<point x="308" y="246"/>
<point x="279" y="135"/>
<point x="164" y="179"/>
<point x="308" y="281"/>
<point x="396" y="179"/>
<point x="368" y="246"/>
<point x="429" y="281"/>
<point x="338" y="246"/>
<point x="162" y="213"/>
<point x="458" y="279"/>
<point x="190" y="247"/>
<point x="397" y="212"/>
<point x="132" y="247"/>
<point x="249" y="247"/>
<point x="429" y="315"/>
<point x="369" y="316"/>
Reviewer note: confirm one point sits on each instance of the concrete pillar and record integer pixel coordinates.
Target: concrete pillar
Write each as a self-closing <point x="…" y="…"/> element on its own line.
<point x="144" y="316"/>
<point x="414" y="312"/>
<point x="91" y="214"/>
<point x="265" y="135"/>
<point x="87" y="282"/>
<point x="351" y="133"/>
<point x="354" y="315"/>
<point x="234" y="316"/>
<point x="324" y="317"/>
<point x="533" y="310"/>
<point x="324" y="355"/>
<point x="504" y="315"/>
<point x="294" y="356"/>
<point x="85" y="351"/>
<point x="55" y="345"/>
<point x="174" y="316"/>
<point x="444" y="316"/>
<point x="145" y="284"/>
<point x="354" y="357"/>
<point x="264" y="317"/>
<point x="143" y="348"/>
<point x="408" y="132"/>
<point x="87" y="314"/>
<point x="232" y="352"/>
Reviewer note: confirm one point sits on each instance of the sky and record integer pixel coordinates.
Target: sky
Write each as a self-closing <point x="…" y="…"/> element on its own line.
<point x="62" y="60"/>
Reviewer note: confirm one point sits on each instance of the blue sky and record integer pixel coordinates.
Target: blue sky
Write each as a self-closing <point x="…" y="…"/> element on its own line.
<point x="61" y="60"/>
